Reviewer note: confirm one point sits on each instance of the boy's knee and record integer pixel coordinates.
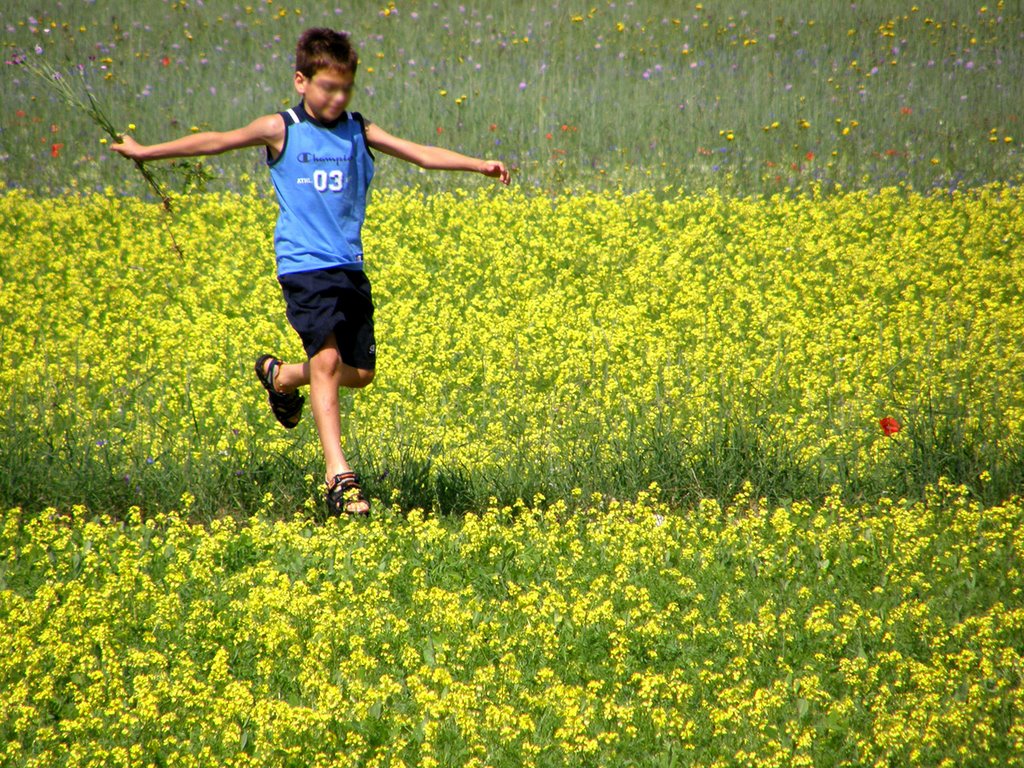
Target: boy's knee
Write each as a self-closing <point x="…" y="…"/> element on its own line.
<point x="327" y="363"/>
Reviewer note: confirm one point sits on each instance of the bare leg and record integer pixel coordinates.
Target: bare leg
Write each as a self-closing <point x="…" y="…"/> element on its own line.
<point x="324" y="383"/>
<point x="290" y="376"/>
<point x="326" y="373"/>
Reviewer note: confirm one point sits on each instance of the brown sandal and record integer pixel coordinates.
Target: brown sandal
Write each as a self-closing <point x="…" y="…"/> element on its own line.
<point x="345" y="496"/>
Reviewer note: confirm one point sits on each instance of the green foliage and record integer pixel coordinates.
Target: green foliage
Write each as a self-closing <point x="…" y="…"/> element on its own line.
<point x="745" y="98"/>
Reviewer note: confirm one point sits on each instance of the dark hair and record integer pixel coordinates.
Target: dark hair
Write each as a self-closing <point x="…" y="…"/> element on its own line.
<point x="321" y="48"/>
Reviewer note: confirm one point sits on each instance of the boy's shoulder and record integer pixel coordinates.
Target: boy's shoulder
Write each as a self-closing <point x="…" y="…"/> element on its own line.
<point x="269" y="126"/>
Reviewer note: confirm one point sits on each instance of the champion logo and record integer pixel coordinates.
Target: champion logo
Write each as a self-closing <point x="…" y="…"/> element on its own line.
<point x="310" y="157"/>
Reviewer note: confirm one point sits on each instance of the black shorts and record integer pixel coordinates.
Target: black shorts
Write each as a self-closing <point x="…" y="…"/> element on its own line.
<point x="336" y="301"/>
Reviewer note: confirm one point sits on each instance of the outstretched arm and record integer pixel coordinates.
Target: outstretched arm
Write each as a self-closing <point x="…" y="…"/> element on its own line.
<point x="267" y="130"/>
<point x="432" y="158"/>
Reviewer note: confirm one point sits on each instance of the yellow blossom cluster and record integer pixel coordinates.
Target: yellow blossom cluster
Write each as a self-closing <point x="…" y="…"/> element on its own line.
<point x="630" y="634"/>
<point x="605" y="340"/>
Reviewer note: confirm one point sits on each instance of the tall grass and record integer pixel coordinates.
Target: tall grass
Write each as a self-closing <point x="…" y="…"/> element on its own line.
<point x="742" y="97"/>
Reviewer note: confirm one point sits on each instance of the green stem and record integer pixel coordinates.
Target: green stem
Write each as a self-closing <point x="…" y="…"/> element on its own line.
<point x="66" y="90"/>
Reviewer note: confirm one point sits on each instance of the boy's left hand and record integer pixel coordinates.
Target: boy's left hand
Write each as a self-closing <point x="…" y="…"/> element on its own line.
<point x="495" y="169"/>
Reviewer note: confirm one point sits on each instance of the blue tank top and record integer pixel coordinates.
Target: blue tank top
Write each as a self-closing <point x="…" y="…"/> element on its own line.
<point x="321" y="177"/>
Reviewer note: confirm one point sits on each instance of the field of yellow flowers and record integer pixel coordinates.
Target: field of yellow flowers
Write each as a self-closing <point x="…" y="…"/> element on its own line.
<point x="631" y="635"/>
<point x="565" y="346"/>
<point x="740" y="483"/>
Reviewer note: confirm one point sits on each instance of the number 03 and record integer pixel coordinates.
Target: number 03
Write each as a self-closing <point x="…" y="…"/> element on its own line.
<point x="324" y="180"/>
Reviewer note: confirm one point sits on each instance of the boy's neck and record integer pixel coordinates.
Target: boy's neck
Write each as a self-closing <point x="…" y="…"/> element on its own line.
<point x="312" y="119"/>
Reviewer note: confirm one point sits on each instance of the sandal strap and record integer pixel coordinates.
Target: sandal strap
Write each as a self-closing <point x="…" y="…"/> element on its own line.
<point x="272" y="370"/>
<point x="345" y="480"/>
<point x="268" y="375"/>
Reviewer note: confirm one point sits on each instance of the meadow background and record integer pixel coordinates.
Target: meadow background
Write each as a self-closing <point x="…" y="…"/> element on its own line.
<point x="740" y="97"/>
<point x="700" y="445"/>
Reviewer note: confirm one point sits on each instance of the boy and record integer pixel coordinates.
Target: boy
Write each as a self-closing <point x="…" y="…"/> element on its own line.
<point x="321" y="167"/>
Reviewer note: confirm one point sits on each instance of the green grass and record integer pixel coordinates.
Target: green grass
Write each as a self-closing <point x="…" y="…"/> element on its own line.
<point x="638" y="96"/>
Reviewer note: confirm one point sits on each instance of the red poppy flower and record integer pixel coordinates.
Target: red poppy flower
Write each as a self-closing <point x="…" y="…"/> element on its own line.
<point x="55" y="150"/>
<point x="889" y="425"/>
<point x="166" y="61"/>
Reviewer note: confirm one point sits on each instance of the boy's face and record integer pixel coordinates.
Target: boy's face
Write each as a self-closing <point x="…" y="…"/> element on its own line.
<point x="326" y="94"/>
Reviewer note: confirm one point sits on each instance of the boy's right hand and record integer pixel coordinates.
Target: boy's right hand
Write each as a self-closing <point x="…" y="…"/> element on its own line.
<point x="495" y="169"/>
<point x="128" y="147"/>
